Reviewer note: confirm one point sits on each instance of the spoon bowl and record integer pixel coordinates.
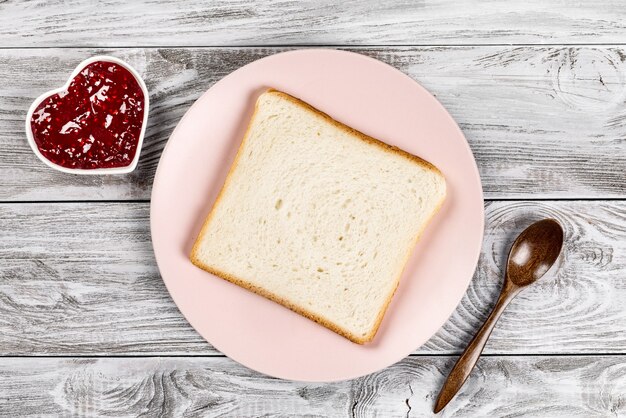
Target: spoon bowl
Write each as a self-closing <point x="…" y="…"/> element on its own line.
<point x="534" y="251"/>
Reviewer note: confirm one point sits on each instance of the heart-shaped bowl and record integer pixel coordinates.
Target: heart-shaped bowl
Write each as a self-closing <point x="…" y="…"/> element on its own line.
<point x="64" y="88"/>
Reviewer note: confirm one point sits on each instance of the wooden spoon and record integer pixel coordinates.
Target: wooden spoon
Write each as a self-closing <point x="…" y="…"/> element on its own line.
<point x="531" y="256"/>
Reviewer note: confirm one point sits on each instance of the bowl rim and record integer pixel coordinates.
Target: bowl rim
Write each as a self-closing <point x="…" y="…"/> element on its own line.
<point x="112" y="170"/>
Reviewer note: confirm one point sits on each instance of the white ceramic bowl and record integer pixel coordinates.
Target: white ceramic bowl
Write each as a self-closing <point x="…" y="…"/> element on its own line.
<point x="79" y="67"/>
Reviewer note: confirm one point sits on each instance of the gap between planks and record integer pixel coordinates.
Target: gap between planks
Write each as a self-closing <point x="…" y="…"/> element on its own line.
<point x="139" y="356"/>
<point x="504" y="199"/>
<point x="297" y="46"/>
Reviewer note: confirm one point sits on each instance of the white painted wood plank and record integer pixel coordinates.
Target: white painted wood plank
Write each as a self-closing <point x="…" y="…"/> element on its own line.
<point x="291" y="22"/>
<point x="218" y="387"/>
<point x="542" y="121"/>
<point x="81" y="279"/>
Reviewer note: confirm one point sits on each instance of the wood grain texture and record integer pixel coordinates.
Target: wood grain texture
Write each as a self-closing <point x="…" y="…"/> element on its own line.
<point x="541" y="121"/>
<point x="291" y="22"/>
<point x="81" y="279"/>
<point x="218" y="387"/>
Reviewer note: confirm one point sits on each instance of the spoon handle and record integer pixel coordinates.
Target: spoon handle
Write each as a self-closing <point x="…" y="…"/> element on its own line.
<point x="464" y="365"/>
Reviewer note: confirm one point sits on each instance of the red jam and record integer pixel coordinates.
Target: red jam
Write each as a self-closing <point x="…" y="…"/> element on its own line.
<point x="96" y="123"/>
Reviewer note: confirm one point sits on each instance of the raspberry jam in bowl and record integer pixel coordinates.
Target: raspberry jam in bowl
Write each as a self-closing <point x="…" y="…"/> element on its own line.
<point x="95" y="123"/>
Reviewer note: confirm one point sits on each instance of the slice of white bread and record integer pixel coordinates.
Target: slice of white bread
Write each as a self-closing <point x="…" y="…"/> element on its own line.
<point x="318" y="217"/>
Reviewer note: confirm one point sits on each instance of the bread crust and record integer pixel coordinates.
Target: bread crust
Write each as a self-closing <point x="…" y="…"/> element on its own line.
<point x="269" y="295"/>
<point x="386" y="147"/>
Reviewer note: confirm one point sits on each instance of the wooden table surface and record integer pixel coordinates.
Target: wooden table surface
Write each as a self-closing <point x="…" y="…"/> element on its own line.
<point x="87" y="327"/>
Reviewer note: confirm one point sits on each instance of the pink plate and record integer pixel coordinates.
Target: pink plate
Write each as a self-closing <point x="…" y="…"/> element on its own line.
<point x="374" y="98"/>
